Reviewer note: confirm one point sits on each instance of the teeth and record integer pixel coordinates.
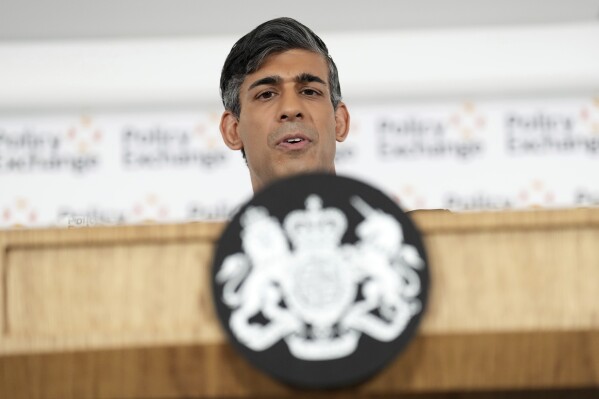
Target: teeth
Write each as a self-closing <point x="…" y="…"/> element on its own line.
<point x="295" y="140"/>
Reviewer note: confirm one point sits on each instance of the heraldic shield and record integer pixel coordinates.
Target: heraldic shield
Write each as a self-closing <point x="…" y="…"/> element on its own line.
<point x="320" y="280"/>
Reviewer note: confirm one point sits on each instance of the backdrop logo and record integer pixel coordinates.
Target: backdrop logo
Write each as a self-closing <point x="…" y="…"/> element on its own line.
<point x="319" y="273"/>
<point x="220" y="210"/>
<point x="544" y="132"/>
<point x="166" y="146"/>
<point x="19" y="213"/>
<point x="432" y="137"/>
<point x="480" y="200"/>
<point x="150" y="209"/>
<point x="409" y="197"/>
<point x="468" y="121"/>
<point x="31" y="149"/>
<point x="95" y="216"/>
<point x="84" y="135"/>
<point x="536" y="194"/>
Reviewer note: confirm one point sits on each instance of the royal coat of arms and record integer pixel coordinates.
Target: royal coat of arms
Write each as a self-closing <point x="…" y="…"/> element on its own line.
<point x="296" y="281"/>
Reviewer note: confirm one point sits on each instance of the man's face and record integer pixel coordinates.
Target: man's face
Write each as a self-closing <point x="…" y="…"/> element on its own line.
<point x="287" y="123"/>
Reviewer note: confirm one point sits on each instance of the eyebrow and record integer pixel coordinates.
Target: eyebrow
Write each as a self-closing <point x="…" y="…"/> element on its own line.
<point x="269" y="80"/>
<point x="308" y="78"/>
<point x="275" y="79"/>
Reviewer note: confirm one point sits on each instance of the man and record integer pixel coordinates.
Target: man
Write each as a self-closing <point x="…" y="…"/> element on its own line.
<point x="282" y="99"/>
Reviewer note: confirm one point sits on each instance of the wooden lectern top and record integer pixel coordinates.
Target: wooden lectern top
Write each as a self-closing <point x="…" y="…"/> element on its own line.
<point x="126" y="312"/>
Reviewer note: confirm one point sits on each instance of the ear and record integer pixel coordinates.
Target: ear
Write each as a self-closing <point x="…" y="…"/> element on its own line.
<point x="341" y="122"/>
<point x="228" y="129"/>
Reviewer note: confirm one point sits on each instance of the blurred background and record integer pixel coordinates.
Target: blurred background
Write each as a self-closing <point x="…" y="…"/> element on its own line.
<point x="109" y="110"/>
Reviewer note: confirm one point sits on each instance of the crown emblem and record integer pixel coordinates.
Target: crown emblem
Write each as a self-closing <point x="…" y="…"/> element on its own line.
<point x="315" y="227"/>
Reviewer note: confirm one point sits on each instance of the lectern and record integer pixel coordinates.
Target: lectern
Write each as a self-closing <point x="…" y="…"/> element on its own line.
<point x="126" y="312"/>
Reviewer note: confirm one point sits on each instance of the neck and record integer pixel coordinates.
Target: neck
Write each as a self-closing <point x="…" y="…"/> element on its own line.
<point x="258" y="184"/>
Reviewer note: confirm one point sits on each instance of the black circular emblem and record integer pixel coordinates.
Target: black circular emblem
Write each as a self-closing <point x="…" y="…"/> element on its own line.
<point x="320" y="280"/>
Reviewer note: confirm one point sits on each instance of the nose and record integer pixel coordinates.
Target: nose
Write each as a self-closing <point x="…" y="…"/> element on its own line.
<point x="291" y="108"/>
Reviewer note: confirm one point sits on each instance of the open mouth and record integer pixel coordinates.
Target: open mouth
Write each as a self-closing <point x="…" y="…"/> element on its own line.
<point x="294" y="142"/>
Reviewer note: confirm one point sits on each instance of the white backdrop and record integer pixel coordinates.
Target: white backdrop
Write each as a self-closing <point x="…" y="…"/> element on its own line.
<point x="125" y="131"/>
<point x="163" y="166"/>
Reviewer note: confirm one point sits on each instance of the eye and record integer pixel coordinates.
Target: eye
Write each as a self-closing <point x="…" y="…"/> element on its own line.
<point x="310" y="92"/>
<point x="265" y="95"/>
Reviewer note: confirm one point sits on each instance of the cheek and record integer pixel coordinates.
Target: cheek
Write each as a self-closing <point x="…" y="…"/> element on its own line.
<point x="254" y="126"/>
<point x="255" y="141"/>
<point x="247" y="131"/>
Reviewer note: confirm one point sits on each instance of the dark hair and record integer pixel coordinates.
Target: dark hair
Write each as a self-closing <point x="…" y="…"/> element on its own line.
<point x="274" y="36"/>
